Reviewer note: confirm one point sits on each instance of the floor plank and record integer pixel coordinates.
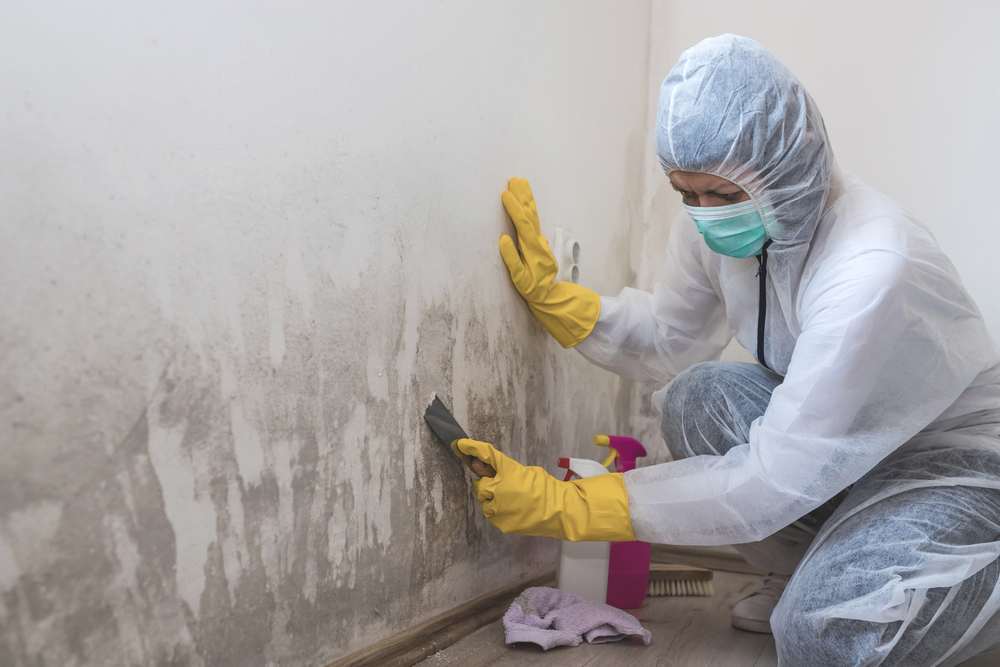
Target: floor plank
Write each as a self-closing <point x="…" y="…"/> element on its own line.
<point x="991" y="659"/>
<point x="695" y="631"/>
<point x="769" y="656"/>
<point x="477" y="650"/>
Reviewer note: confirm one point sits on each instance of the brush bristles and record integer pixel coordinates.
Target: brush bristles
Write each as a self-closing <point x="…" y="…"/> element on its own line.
<point x="665" y="587"/>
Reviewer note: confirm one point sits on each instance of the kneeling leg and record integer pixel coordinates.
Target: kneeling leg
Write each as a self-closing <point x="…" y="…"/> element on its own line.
<point x="899" y="582"/>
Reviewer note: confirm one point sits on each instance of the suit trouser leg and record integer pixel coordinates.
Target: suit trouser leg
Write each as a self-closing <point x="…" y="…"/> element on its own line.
<point x="899" y="578"/>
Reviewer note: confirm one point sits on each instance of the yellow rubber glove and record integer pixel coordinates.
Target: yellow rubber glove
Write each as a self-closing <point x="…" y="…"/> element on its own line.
<point x="566" y="310"/>
<point x="529" y="501"/>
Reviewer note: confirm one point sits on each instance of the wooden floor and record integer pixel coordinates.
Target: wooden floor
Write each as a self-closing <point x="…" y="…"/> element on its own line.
<point x="687" y="632"/>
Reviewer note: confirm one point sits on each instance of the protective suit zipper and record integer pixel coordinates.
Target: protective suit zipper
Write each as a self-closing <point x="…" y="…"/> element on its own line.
<point x="762" y="303"/>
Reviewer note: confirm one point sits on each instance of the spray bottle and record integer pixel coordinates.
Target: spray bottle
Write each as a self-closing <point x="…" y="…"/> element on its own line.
<point x="628" y="568"/>
<point x="583" y="566"/>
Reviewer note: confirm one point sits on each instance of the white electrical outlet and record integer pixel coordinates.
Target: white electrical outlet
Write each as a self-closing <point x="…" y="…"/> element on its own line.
<point x="567" y="252"/>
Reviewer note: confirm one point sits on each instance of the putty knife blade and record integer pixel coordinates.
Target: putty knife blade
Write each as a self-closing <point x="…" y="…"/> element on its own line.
<point x="447" y="429"/>
<point x="443" y="423"/>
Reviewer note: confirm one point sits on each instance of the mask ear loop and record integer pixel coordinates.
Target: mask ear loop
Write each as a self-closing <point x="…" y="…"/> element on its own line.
<point x="766" y="212"/>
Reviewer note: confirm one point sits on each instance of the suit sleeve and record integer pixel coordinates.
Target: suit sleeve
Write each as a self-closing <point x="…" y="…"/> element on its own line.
<point x="653" y="337"/>
<point x="886" y="346"/>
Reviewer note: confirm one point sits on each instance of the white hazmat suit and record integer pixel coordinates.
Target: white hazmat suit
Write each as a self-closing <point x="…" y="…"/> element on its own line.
<point x="878" y="354"/>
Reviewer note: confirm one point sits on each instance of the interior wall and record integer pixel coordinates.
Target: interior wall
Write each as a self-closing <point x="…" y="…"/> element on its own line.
<point x="240" y="248"/>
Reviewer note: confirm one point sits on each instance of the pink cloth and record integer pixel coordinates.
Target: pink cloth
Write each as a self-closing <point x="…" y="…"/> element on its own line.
<point x="550" y="617"/>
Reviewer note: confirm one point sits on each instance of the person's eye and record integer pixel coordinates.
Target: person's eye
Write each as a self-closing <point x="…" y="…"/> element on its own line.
<point x="732" y="196"/>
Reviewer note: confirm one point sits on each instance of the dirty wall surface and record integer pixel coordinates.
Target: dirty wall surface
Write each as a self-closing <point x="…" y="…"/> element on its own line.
<point x="240" y="248"/>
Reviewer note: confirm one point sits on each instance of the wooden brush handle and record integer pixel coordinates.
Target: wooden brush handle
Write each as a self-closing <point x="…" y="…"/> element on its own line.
<point x="481" y="469"/>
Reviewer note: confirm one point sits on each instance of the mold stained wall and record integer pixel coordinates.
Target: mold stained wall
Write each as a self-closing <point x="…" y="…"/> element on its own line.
<point x="241" y="245"/>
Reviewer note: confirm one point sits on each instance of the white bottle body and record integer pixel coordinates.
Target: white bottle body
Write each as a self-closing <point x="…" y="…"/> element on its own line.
<point x="583" y="569"/>
<point x="583" y="566"/>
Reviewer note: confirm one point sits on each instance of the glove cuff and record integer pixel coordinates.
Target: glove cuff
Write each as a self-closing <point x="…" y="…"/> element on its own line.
<point x="569" y="312"/>
<point x="606" y="516"/>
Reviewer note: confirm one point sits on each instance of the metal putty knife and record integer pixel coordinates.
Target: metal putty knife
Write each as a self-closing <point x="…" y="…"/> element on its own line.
<point x="448" y="430"/>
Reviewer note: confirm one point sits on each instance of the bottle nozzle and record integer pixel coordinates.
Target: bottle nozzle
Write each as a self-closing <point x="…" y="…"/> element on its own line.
<point x="626" y="450"/>
<point x="611" y="457"/>
<point x="605" y="441"/>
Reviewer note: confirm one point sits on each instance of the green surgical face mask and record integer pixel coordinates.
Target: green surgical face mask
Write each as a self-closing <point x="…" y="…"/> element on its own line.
<point x="735" y="230"/>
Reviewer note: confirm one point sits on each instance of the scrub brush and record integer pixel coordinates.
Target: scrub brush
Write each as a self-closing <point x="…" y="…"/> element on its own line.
<point x="667" y="579"/>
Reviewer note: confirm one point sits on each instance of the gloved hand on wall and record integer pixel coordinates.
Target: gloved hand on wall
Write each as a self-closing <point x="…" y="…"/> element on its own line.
<point x="529" y="501"/>
<point x="566" y="310"/>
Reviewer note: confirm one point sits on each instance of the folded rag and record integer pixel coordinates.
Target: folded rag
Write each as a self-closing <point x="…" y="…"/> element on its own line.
<point x="550" y="617"/>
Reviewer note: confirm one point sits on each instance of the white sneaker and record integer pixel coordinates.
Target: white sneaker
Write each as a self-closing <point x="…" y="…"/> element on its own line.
<point x="753" y="612"/>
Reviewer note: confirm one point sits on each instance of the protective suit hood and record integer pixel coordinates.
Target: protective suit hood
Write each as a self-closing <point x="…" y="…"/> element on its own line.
<point x="732" y="109"/>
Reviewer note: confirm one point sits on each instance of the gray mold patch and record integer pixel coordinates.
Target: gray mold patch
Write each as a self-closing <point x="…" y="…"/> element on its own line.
<point x="106" y="584"/>
<point x="441" y="488"/>
<point x="265" y="510"/>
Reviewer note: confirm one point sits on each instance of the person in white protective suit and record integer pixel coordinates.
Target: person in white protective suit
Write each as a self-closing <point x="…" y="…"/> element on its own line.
<point x="860" y="456"/>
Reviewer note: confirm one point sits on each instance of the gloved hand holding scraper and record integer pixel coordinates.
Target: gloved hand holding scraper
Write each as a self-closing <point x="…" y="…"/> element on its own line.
<point x="450" y="432"/>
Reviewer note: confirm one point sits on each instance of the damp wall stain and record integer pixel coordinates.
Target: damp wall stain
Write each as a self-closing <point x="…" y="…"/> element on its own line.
<point x="260" y="513"/>
<point x="230" y="293"/>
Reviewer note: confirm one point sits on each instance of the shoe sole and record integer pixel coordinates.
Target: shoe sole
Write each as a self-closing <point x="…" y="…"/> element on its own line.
<point x="752" y="625"/>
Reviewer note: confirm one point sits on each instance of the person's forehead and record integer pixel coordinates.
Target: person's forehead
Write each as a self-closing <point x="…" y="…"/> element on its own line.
<point x="690" y="180"/>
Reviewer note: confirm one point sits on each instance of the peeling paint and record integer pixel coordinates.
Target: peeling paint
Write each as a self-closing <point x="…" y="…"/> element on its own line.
<point x="246" y="439"/>
<point x="187" y="506"/>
